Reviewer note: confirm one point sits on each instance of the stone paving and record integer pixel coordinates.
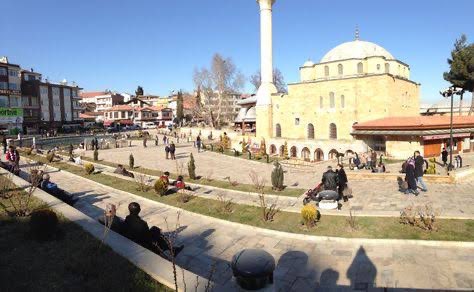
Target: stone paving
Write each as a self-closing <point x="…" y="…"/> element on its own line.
<point x="303" y="263"/>
<point x="371" y="198"/>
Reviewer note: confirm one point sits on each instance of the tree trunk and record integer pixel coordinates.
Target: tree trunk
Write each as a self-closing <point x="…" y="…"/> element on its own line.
<point x="460" y="106"/>
<point x="471" y="110"/>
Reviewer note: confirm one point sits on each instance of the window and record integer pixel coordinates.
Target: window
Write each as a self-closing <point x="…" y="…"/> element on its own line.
<point x="332" y="102"/>
<point x="13" y="86"/>
<point x="378" y="67"/>
<point x="15" y="101"/>
<point x="310" y="131"/>
<point x="56" y="91"/>
<point x="332" y="131"/>
<point x="44" y="91"/>
<point x="360" y="68"/>
<point x="3" y="101"/>
<point x="321" y="102"/>
<point x="326" y="71"/>
<point x="387" y="68"/>
<point x="278" y="130"/>
<point x="340" y="69"/>
<point x="297" y="121"/>
<point x="122" y="115"/>
<point x="66" y="92"/>
<point x="115" y="115"/>
<point x="34" y="101"/>
<point x="13" y="73"/>
<point x="343" y="101"/>
<point x="3" y="71"/>
<point x="3" y="85"/>
<point x="25" y="101"/>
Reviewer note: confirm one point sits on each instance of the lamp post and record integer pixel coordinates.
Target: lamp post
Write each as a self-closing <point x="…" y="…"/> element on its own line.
<point x="450" y="92"/>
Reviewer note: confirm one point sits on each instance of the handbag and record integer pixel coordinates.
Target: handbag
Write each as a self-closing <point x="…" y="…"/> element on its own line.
<point x="347" y="192"/>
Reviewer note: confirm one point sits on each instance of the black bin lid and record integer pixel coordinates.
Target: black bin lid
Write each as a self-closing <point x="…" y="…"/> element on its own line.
<point x="253" y="263"/>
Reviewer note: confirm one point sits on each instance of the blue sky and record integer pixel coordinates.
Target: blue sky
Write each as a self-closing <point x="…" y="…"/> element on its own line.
<point x="118" y="44"/>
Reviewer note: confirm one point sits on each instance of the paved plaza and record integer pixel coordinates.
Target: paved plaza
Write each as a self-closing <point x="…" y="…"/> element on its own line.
<point x="371" y="197"/>
<point x="303" y="263"/>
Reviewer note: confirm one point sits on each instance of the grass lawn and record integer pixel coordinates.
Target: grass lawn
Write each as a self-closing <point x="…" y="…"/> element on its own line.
<point x="288" y="192"/>
<point x="74" y="261"/>
<point x="338" y="226"/>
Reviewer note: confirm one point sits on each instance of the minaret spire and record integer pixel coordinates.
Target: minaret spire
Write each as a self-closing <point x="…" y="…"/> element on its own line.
<point x="357" y="34"/>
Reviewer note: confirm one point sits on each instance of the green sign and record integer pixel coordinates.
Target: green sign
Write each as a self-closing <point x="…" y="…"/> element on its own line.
<point x="11" y="115"/>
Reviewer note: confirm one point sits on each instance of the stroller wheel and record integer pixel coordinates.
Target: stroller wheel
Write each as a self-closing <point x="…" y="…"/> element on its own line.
<point x="306" y="201"/>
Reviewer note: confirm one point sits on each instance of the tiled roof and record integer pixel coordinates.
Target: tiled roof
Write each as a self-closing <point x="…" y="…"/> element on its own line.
<point x="416" y="122"/>
<point x="92" y="94"/>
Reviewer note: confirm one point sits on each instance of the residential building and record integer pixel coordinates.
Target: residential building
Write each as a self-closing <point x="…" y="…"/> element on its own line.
<point x="443" y="108"/>
<point x="102" y="99"/>
<point x="124" y="115"/>
<point x="229" y="107"/>
<point x="11" y="113"/>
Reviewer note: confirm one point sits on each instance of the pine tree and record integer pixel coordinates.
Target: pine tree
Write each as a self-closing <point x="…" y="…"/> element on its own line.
<point x="180" y="108"/>
<point x="461" y="73"/>
<point x="285" y="151"/>
<point x="191" y="168"/>
<point x="131" y="161"/>
<point x="277" y="176"/>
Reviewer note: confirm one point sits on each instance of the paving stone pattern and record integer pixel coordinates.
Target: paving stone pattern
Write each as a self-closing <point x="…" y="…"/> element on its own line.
<point x="302" y="264"/>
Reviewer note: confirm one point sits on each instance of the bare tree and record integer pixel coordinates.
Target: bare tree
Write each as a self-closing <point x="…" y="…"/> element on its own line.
<point x="217" y="85"/>
<point x="278" y="80"/>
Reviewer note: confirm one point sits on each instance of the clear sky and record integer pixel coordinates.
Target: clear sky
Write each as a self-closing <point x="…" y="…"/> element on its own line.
<point x="118" y="44"/>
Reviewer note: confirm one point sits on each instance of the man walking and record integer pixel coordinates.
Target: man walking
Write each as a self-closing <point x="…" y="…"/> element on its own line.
<point x="198" y="143"/>
<point x="172" y="150"/>
<point x="419" y="162"/>
<point x="444" y="156"/>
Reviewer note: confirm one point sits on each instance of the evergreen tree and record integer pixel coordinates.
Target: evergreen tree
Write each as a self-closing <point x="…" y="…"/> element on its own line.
<point x="180" y="108"/>
<point x="461" y="73"/>
<point x="139" y="91"/>
<point x="191" y="168"/>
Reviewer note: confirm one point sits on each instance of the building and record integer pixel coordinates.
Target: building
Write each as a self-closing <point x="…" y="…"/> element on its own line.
<point x="443" y="108"/>
<point x="246" y="118"/>
<point x="229" y="107"/>
<point x="399" y="137"/>
<point x="103" y="100"/>
<point x="11" y="112"/>
<point x="124" y="115"/>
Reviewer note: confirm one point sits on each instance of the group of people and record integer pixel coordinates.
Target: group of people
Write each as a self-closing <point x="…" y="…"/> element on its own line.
<point x="335" y="181"/>
<point x="413" y="169"/>
<point x="170" y="151"/>
<point x="368" y="161"/>
<point x="12" y="157"/>
<point x="43" y="181"/>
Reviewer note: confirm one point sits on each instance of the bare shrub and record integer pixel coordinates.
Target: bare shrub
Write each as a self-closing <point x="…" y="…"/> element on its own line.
<point x="258" y="182"/>
<point x="225" y="206"/>
<point x="233" y="183"/>
<point x="208" y="176"/>
<point x="143" y="182"/>
<point x="351" y="220"/>
<point x="184" y="196"/>
<point x="179" y="168"/>
<point x="423" y="216"/>
<point x="268" y="211"/>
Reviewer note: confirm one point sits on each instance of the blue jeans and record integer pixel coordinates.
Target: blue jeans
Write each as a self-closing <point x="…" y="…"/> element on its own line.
<point x="422" y="183"/>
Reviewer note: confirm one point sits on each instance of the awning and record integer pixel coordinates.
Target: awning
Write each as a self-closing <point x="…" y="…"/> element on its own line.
<point x="446" y="136"/>
<point x="125" y="122"/>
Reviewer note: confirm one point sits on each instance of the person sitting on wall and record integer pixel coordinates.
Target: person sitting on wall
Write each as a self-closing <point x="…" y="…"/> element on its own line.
<point x="180" y="185"/>
<point x="13" y="160"/>
<point x="330" y="180"/>
<point x="136" y="229"/>
<point x="166" y="178"/>
<point x="121" y="170"/>
<point x="52" y="189"/>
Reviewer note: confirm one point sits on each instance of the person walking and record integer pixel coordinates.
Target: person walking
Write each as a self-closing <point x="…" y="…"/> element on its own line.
<point x="410" y="177"/>
<point x="444" y="156"/>
<point x="342" y="182"/>
<point x="4" y="143"/>
<point x="374" y="159"/>
<point x="172" y="150"/>
<point x="198" y="143"/>
<point x="164" y="140"/>
<point x="419" y="162"/>
<point x="167" y="150"/>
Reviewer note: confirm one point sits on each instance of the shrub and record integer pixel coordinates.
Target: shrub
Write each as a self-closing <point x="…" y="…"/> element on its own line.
<point x="309" y="214"/>
<point x="89" y="168"/>
<point x="191" y="168"/>
<point x="431" y="166"/>
<point x="277" y="176"/>
<point x="184" y="196"/>
<point x="131" y="161"/>
<point x="96" y="155"/>
<point x="285" y="151"/>
<point x="43" y="224"/>
<point x="224" y="206"/>
<point x="50" y="157"/>
<point x="421" y="216"/>
<point x="160" y="187"/>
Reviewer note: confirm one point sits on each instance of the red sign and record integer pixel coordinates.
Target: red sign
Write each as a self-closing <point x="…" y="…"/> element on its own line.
<point x="446" y="136"/>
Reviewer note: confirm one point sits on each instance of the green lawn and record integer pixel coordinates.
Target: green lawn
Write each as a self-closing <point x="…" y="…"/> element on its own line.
<point x="75" y="261"/>
<point x="338" y="226"/>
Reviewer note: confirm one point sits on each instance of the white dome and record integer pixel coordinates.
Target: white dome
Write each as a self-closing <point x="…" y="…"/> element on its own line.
<point x="308" y="63"/>
<point x="356" y="50"/>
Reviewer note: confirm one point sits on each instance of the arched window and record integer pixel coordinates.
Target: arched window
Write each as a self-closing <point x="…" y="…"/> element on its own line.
<point x="332" y="102"/>
<point x="326" y="71"/>
<point x="378" y="67"/>
<point x="332" y="131"/>
<point x="360" y="68"/>
<point x="278" y="130"/>
<point x="343" y="101"/>
<point x="387" y="68"/>
<point x="340" y="69"/>
<point x="321" y="102"/>
<point x="293" y="152"/>
<point x="310" y="131"/>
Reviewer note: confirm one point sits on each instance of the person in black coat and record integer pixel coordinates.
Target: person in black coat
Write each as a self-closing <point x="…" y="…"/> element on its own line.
<point x="330" y="180"/>
<point x="444" y="156"/>
<point x="342" y="181"/>
<point x="410" y="177"/>
<point x="419" y="163"/>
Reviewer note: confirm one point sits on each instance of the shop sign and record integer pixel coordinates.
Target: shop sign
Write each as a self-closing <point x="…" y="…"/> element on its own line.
<point x="11" y="115"/>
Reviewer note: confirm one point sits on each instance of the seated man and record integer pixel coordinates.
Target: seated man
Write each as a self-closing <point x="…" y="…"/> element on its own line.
<point x="52" y="189"/>
<point x="165" y="178"/>
<point x="330" y="180"/>
<point x="121" y="170"/>
<point x="136" y="229"/>
<point x="180" y="185"/>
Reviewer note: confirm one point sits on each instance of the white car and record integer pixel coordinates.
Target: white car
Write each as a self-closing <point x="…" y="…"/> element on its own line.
<point x="149" y="125"/>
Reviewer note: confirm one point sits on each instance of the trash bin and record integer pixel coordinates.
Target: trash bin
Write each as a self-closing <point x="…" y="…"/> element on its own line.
<point x="253" y="268"/>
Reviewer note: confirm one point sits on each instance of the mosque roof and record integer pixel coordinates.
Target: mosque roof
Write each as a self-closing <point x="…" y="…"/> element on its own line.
<point x="416" y="122"/>
<point x="356" y="49"/>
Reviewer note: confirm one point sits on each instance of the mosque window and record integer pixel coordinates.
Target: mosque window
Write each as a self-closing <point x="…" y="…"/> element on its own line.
<point x="387" y="68"/>
<point x="278" y="130"/>
<point x="332" y="102"/>
<point x="360" y="68"/>
<point x="378" y="67"/>
<point x="310" y="131"/>
<point x="321" y="102"/>
<point x="332" y="131"/>
<point x="343" y="101"/>
<point x="340" y="69"/>
<point x="326" y="71"/>
<point x="297" y="121"/>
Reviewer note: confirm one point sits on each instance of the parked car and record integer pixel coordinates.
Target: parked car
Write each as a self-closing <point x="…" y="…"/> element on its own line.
<point x="149" y="125"/>
<point x="132" y="128"/>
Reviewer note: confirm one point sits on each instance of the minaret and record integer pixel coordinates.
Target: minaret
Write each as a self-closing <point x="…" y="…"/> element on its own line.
<point x="267" y="88"/>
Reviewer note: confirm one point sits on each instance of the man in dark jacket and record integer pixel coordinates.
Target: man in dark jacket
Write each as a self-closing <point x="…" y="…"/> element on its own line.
<point x="136" y="229"/>
<point x="330" y="180"/>
<point x="342" y="181"/>
<point x="444" y="156"/>
<point x="419" y="162"/>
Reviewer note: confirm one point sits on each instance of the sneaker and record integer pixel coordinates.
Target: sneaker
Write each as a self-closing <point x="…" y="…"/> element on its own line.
<point x="424" y="190"/>
<point x="416" y="193"/>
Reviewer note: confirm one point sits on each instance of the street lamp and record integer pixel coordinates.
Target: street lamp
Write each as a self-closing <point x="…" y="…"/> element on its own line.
<point x="450" y="92"/>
